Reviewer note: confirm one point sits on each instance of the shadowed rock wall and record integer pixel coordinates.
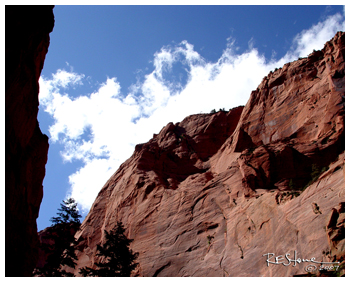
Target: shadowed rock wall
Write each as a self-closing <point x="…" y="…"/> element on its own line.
<point x="27" y="40"/>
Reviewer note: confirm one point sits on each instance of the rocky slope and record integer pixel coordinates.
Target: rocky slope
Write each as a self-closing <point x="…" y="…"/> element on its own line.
<point x="212" y="195"/>
<point x="27" y="40"/>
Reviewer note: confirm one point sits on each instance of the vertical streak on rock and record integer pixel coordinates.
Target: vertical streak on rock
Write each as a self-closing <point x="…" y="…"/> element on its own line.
<point x="27" y="40"/>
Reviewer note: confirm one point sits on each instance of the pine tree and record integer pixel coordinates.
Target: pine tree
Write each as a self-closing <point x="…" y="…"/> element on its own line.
<point x="118" y="259"/>
<point x="61" y="246"/>
<point x="68" y="213"/>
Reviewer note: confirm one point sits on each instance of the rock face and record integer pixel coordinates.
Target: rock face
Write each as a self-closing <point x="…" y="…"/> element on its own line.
<point x="47" y="237"/>
<point x="219" y="194"/>
<point x="27" y="40"/>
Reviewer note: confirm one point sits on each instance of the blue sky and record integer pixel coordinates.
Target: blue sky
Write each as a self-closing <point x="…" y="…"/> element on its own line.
<point x="115" y="75"/>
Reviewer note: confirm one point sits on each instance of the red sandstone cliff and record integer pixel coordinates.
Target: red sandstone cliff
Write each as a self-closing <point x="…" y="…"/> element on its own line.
<point x="211" y="195"/>
<point x="27" y="40"/>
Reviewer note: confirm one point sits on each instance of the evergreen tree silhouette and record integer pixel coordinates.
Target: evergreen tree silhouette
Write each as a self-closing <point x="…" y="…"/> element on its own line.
<point x="118" y="258"/>
<point x="61" y="246"/>
<point x="68" y="213"/>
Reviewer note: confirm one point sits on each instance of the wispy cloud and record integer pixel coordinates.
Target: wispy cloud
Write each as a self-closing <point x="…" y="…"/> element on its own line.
<point x="315" y="37"/>
<point x="117" y="121"/>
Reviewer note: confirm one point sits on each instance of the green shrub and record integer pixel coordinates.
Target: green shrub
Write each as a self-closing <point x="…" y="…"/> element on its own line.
<point x="315" y="174"/>
<point x="210" y="237"/>
<point x="291" y="184"/>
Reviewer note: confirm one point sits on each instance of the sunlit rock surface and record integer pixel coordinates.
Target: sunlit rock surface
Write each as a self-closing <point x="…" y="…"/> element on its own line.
<point x="210" y="196"/>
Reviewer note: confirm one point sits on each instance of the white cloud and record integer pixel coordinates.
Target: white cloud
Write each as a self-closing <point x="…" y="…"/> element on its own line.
<point x="315" y="37"/>
<point x="85" y="181"/>
<point x="117" y="122"/>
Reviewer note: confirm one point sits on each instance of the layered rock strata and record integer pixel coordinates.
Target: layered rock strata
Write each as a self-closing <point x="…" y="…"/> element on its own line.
<point x="219" y="194"/>
<point x="27" y="40"/>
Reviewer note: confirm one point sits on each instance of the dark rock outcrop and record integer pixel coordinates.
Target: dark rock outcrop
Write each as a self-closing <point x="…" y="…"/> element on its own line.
<point x="211" y="195"/>
<point x="27" y="40"/>
<point x="47" y="238"/>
